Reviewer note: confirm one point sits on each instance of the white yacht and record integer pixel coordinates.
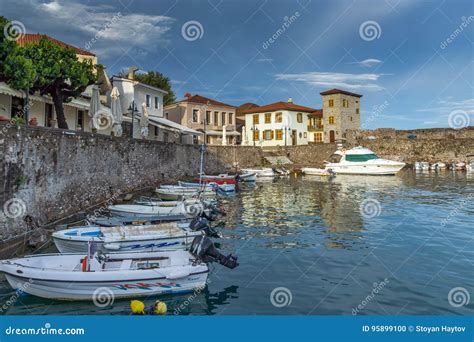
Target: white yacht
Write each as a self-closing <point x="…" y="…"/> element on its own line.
<point x="362" y="161"/>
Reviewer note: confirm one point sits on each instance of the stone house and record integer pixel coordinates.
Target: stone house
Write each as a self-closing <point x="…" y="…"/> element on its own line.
<point x="216" y="120"/>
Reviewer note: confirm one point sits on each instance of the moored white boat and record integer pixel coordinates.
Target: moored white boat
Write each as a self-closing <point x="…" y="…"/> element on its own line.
<point x="115" y="275"/>
<point x="261" y="173"/>
<point x="181" y="211"/>
<point x="363" y="161"/>
<point x="438" y="166"/>
<point x="175" y="193"/>
<point x="317" y="172"/>
<point x="248" y="177"/>
<point x="150" y="238"/>
<point x="422" y="166"/>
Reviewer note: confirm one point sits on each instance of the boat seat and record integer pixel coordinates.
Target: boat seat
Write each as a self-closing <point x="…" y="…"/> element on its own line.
<point x="125" y="265"/>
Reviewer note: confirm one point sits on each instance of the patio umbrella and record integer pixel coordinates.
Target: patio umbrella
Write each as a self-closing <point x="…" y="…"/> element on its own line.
<point x="116" y="110"/>
<point x="224" y="136"/>
<point x="144" y="121"/>
<point x="94" y="108"/>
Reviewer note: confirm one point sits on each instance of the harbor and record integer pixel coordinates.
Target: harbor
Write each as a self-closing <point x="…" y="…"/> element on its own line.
<point x="328" y="242"/>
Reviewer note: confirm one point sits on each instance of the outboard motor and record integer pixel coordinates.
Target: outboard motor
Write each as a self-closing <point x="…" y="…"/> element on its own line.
<point x="203" y="249"/>
<point x="201" y="223"/>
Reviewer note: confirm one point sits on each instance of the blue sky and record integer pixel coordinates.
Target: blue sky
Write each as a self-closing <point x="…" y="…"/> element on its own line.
<point x="410" y="76"/>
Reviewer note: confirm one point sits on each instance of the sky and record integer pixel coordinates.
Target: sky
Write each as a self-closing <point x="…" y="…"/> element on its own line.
<point x="413" y="61"/>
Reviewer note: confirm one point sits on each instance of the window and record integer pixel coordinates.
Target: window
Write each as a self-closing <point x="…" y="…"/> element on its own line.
<point x="357" y="110"/>
<point x="156" y="131"/>
<point x="216" y="118"/>
<point x="157" y="102"/>
<point x="195" y="140"/>
<point x="268" y="118"/>
<point x="223" y="118"/>
<point x="48" y="115"/>
<point x="279" y="117"/>
<point x="166" y="115"/>
<point x="231" y="118"/>
<point x="148" y="101"/>
<point x="320" y="122"/>
<point x="255" y="119"/>
<point x="345" y="103"/>
<point x="318" y="137"/>
<point x="80" y="120"/>
<point x="279" y="134"/>
<point x="350" y="118"/>
<point x="331" y="103"/>
<point x="256" y="135"/>
<point x="195" y="115"/>
<point x="360" y="157"/>
<point x="208" y="117"/>
<point x="17" y="109"/>
<point x="305" y="135"/>
<point x="208" y="139"/>
<point x="268" y="134"/>
<point x="299" y="117"/>
<point x="331" y="120"/>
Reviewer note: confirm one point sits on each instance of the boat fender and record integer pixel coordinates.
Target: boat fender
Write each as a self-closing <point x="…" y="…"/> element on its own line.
<point x="177" y="274"/>
<point x="84" y="264"/>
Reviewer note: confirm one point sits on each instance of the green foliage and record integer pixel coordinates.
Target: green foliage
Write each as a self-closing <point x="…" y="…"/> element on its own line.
<point x="7" y="46"/>
<point x="17" y="120"/>
<point x="158" y="80"/>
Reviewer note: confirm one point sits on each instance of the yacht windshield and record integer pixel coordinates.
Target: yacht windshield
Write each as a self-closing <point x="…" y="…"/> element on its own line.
<point x="360" y="157"/>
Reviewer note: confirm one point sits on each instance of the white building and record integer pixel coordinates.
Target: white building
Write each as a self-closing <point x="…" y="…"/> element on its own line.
<point x="134" y="94"/>
<point x="276" y="124"/>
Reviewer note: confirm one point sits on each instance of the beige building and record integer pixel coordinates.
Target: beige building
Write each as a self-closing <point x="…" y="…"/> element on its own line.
<point x="341" y="112"/>
<point x="215" y="119"/>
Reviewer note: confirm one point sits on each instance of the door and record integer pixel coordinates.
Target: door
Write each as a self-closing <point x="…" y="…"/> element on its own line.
<point x="331" y="136"/>
<point x="294" y="137"/>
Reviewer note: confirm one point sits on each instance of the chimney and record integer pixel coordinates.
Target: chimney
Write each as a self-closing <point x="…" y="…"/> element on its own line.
<point x="131" y="72"/>
<point x="290" y="100"/>
<point x="188" y="95"/>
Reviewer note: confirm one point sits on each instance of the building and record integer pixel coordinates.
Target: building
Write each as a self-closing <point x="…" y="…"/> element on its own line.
<point x="276" y="124"/>
<point x="341" y="112"/>
<point x="240" y="118"/>
<point x="134" y="95"/>
<point x="315" y="127"/>
<point x="216" y="120"/>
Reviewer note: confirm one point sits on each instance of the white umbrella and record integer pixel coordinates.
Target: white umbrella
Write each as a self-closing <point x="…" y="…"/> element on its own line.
<point x="224" y="137"/>
<point x="94" y="108"/>
<point x="116" y="110"/>
<point x="144" y="121"/>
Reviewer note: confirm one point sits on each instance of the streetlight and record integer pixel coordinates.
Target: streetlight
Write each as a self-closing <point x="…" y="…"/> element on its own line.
<point x="132" y="108"/>
<point x="287" y="130"/>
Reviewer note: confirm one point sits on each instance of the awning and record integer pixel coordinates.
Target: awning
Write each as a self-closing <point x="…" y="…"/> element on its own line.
<point x="167" y="124"/>
<point x="232" y="133"/>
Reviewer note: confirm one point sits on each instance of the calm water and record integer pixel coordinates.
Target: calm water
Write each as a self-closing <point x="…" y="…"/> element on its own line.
<point x="310" y="236"/>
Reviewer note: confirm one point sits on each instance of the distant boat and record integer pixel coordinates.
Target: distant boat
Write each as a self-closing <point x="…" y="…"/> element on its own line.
<point x="438" y="166"/>
<point x="223" y="178"/>
<point x="261" y="173"/>
<point x="363" y="161"/>
<point x="175" y="193"/>
<point x="183" y="210"/>
<point x="247" y="177"/>
<point x="422" y="166"/>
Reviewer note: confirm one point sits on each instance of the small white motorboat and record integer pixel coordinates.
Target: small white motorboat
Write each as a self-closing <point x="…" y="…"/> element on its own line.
<point x="181" y="211"/>
<point x="248" y="177"/>
<point x="149" y="238"/>
<point x="261" y="173"/>
<point x="438" y="166"/>
<point x="317" y="172"/>
<point x="461" y="166"/>
<point x="98" y="276"/>
<point x="175" y="193"/>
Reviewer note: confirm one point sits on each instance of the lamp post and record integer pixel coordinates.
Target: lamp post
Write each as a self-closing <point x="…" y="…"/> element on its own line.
<point x="287" y="130"/>
<point x="132" y="108"/>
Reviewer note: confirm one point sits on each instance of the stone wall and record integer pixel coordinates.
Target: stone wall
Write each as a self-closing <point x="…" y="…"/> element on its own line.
<point x="47" y="174"/>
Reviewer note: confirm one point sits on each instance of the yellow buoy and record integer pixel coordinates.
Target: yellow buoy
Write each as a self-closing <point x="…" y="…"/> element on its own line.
<point x="137" y="307"/>
<point x="159" y="308"/>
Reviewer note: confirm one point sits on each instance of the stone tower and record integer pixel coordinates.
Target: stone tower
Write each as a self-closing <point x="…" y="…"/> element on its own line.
<point x="341" y="112"/>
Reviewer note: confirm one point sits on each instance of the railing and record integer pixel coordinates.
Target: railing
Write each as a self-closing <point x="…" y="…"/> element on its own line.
<point x="312" y="128"/>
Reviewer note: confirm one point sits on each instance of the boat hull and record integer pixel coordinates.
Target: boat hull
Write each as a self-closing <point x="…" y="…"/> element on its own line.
<point x="364" y="169"/>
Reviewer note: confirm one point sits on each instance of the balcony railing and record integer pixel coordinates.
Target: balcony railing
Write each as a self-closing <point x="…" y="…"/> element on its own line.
<point x="312" y="128"/>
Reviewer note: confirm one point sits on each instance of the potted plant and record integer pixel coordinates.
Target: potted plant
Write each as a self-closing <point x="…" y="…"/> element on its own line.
<point x="33" y="122"/>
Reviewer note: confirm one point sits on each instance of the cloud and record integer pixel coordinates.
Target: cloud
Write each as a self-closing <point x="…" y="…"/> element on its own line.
<point x="265" y="60"/>
<point x="370" y="62"/>
<point x="103" y="29"/>
<point x="447" y="106"/>
<point x="335" y="80"/>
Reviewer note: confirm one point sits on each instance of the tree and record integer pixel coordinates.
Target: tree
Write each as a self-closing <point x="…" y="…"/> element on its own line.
<point x="158" y="80"/>
<point x="50" y="69"/>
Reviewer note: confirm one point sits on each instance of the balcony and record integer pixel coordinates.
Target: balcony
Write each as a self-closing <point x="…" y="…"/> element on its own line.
<point x="315" y="128"/>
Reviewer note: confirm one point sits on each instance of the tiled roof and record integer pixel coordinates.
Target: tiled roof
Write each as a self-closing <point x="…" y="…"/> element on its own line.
<point x="317" y="113"/>
<point x="272" y="107"/>
<point x="244" y="107"/>
<point x="339" y="91"/>
<point x="34" y="38"/>
<point x="204" y="100"/>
